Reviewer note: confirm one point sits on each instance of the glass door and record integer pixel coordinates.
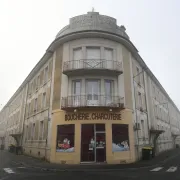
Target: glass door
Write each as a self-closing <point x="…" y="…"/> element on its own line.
<point x="93" y="91"/>
<point x="100" y="154"/>
<point x="87" y="143"/>
<point x="93" y="143"/>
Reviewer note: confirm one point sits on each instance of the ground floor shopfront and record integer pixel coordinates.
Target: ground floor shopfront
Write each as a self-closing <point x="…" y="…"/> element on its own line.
<point x="92" y="137"/>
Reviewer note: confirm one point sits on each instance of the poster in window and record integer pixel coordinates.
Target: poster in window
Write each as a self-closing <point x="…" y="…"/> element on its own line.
<point x="120" y="137"/>
<point x="65" y="138"/>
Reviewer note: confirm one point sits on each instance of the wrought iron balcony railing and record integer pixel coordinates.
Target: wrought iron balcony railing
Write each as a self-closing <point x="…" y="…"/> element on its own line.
<point x="92" y="100"/>
<point x="92" y="64"/>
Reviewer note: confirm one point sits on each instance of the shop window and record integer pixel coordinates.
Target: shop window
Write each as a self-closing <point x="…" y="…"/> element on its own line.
<point x="65" y="138"/>
<point x="120" y="137"/>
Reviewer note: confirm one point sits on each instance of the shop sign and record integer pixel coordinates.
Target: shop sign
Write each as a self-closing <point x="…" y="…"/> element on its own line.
<point x="92" y="116"/>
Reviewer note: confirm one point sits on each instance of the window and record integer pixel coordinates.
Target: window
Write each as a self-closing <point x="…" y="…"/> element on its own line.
<point x="65" y="138"/>
<point x="77" y="58"/>
<point x="35" y="105"/>
<point x="46" y="74"/>
<point x="38" y="81"/>
<point x="93" y="56"/>
<point x="138" y="74"/>
<point x="108" y="54"/>
<point x="142" y="129"/>
<point x="120" y="137"/>
<point x="77" y="54"/>
<point x="140" y="99"/>
<point x="93" y="53"/>
<point x="77" y="87"/>
<point x="44" y="100"/>
<point x="27" y="132"/>
<point x="93" y="91"/>
<point x="41" y="131"/>
<point x="33" y="131"/>
<point x="109" y="90"/>
<point x="30" y="88"/>
<point x="29" y="109"/>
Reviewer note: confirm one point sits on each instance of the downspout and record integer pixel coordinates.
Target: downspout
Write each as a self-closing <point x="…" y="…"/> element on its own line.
<point x="134" y="108"/>
<point x="51" y="84"/>
<point x="137" y="131"/>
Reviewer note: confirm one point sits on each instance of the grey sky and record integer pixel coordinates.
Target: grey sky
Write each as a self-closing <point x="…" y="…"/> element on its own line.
<point x="27" y="27"/>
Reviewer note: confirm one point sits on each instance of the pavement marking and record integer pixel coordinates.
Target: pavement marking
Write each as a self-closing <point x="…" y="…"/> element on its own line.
<point x="9" y="170"/>
<point x="21" y="167"/>
<point x="157" y="169"/>
<point x="172" y="169"/>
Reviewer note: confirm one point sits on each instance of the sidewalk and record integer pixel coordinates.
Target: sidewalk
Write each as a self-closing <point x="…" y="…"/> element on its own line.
<point x="26" y="161"/>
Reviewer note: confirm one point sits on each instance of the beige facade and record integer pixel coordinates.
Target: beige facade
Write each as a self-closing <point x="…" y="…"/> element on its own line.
<point x="91" y="70"/>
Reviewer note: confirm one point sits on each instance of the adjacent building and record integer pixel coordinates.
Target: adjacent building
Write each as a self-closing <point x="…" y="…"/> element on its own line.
<point x="91" y="98"/>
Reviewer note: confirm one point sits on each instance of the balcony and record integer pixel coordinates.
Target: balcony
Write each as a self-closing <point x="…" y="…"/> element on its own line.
<point x="92" y="66"/>
<point x="80" y="101"/>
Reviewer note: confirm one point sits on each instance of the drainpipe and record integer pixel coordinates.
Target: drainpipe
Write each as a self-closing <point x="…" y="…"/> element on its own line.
<point x="137" y="131"/>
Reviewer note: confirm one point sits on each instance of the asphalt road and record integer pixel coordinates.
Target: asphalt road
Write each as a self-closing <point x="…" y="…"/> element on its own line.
<point x="166" y="171"/>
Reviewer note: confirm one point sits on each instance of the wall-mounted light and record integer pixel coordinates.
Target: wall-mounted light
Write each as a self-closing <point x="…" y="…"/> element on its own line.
<point x="75" y="110"/>
<point x="110" y="110"/>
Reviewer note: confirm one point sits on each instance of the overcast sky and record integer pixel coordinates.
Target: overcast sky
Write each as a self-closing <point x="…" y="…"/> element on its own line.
<point x="27" y="27"/>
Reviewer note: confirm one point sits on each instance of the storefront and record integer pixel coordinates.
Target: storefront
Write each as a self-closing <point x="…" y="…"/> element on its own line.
<point x="96" y="137"/>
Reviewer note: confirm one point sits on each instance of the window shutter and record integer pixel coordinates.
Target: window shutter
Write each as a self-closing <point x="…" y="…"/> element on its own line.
<point x="36" y="130"/>
<point x="41" y="78"/>
<point x="143" y="102"/>
<point x="27" y="106"/>
<point x="48" y="97"/>
<point x="45" y="128"/>
<point x="39" y="103"/>
<point x="32" y="106"/>
<point x="30" y="129"/>
<point x="93" y="53"/>
<point x="77" y="54"/>
<point x="50" y="70"/>
<point x="137" y="98"/>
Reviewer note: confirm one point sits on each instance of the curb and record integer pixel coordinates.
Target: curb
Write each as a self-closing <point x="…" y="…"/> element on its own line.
<point x="96" y="169"/>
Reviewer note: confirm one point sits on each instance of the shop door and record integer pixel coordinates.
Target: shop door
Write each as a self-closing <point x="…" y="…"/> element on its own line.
<point x="100" y="154"/>
<point x="93" y="143"/>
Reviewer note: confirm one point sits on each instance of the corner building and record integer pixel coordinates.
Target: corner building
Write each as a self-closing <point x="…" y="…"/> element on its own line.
<point x="91" y="98"/>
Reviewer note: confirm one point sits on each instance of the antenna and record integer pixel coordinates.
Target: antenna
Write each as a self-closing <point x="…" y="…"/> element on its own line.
<point x="92" y="9"/>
